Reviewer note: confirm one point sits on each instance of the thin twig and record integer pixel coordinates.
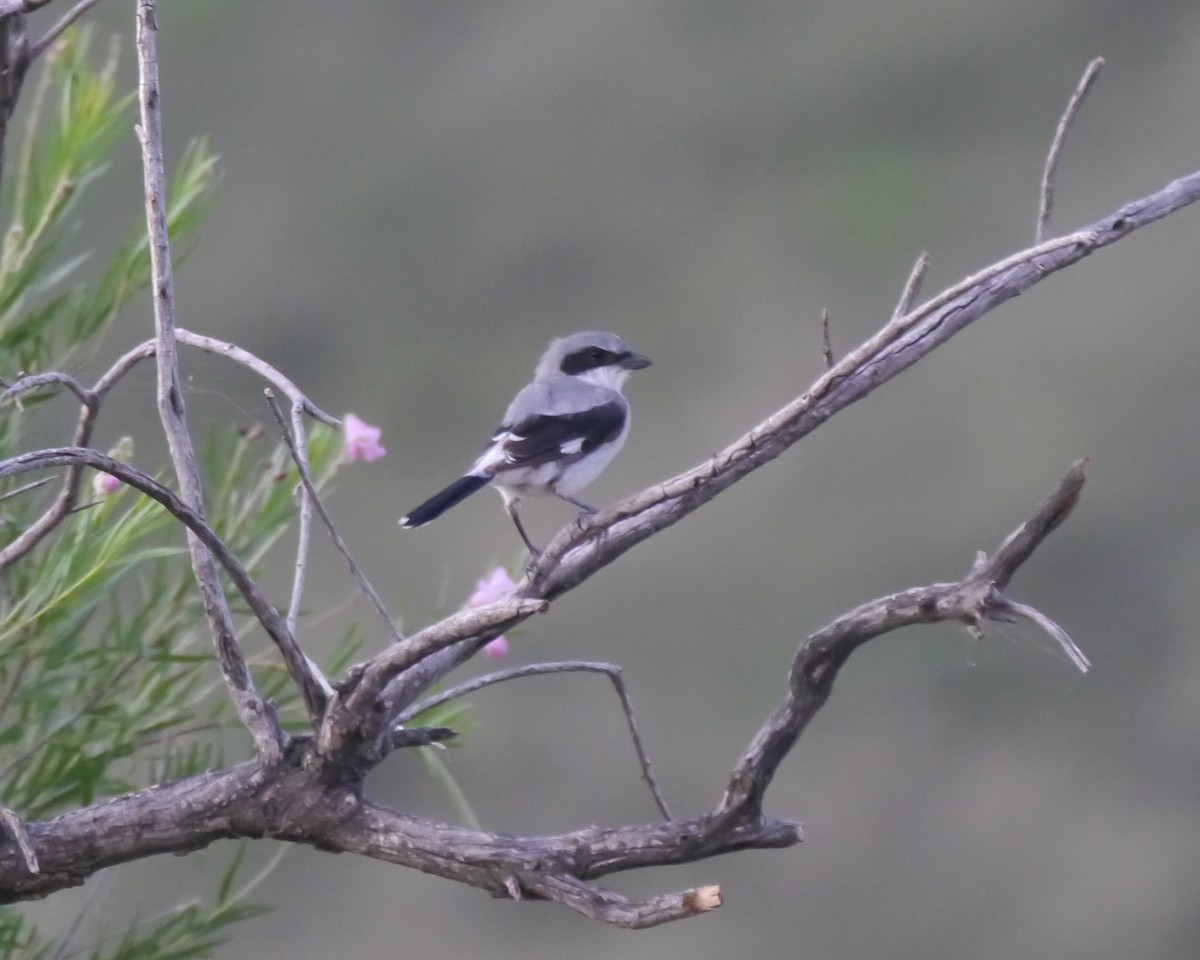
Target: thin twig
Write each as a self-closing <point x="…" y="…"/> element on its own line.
<point x="617" y="909"/>
<point x="257" y="365"/>
<point x="611" y="670"/>
<point x="26" y="488"/>
<point x="254" y="713"/>
<point x="355" y="571"/>
<point x="38" y="47"/>
<point x="899" y="329"/>
<point x="1057" y="633"/>
<point x="826" y="341"/>
<point x="1046" y="197"/>
<point x="403" y="690"/>
<point x="299" y="450"/>
<point x="126" y="362"/>
<point x="39" y="380"/>
<point x="912" y="287"/>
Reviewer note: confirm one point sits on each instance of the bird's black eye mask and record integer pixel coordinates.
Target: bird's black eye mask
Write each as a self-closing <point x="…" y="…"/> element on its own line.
<point x="589" y="358"/>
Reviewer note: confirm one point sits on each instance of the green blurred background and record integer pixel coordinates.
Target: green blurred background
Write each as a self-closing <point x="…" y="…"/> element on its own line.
<point x="417" y="196"/>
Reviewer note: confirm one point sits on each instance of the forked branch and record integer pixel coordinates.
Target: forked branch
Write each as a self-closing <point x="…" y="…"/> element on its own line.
<point x="293" y="801"/>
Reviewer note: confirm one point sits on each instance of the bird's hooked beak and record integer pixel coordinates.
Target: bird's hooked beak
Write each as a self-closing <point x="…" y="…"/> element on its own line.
<point x="635" y="361"/>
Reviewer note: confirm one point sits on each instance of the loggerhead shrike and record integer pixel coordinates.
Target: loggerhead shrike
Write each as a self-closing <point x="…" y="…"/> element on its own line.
<point x="559" y="433"/>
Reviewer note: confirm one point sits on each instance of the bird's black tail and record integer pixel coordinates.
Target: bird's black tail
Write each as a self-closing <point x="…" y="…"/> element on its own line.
<point x="439" y="503"/>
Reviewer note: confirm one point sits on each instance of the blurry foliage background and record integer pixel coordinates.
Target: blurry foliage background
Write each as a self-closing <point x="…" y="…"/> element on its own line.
<point x="415" y="197"/>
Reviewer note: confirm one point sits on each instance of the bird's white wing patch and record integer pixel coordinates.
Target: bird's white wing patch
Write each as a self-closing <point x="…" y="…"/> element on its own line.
<point x="493" y="455"/>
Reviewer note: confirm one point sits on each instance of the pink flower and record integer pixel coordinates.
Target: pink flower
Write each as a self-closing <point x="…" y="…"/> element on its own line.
<point x="496" y="649"/>
<point x="498" y="585"/>
<point x="362" y="439"/>
<point x="492" y="589"/>
<point x="105" y="483"/>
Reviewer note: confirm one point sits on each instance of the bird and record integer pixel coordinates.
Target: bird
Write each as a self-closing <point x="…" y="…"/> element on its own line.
<point x="558" y="434"/>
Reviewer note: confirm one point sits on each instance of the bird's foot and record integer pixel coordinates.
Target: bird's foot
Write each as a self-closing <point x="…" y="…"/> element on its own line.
<point x="583" y="521"/>
<point x="531" y="566"/>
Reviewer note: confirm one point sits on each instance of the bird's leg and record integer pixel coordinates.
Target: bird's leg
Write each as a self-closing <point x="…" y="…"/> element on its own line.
<point x="510" y="505"/>
<point x="585" y="507"/>
<point x="586" y="511"/>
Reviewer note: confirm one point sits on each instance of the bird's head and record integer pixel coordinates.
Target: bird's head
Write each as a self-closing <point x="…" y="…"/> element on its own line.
<point x="600" y="358"/>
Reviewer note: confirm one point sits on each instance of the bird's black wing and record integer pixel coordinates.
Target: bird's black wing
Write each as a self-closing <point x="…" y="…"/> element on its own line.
<point x="562" y="438"/>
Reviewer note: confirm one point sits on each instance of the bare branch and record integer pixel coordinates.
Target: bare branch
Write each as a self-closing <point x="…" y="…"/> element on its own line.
<point x="826" y="341"/>
<point x="297" y="442"/>
<point x="912" y="287"/>
<point x="609" y="907"/>
<point x="1057" y="633"/>
<point x="822" y="655"/>
<point x="268" y="738"/>
<point x="39" y="380"/>
<point x="170" y="818"/>
<point x="403" y="689"/>
<point x="488" y="860"/>
<point x="126" y="362"/>
<point x="1046" y="197"/>
<point x="257" y="365"/>
<point x="1020" y="544"/>
<point x="225" y="349"/>
<point x="289" y="802"/>
<point x="611" y="670"/>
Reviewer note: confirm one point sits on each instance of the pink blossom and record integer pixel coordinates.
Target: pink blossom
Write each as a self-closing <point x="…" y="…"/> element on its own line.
<point x="361" y="439"/>
<point x="105" y="483"/>
<point x="498" y="585"/>
<point x="496" y="649"/>
<point x="492" y="589"/>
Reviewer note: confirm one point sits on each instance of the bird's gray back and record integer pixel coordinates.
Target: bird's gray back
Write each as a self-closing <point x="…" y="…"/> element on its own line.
<point x="558" y="395"/>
